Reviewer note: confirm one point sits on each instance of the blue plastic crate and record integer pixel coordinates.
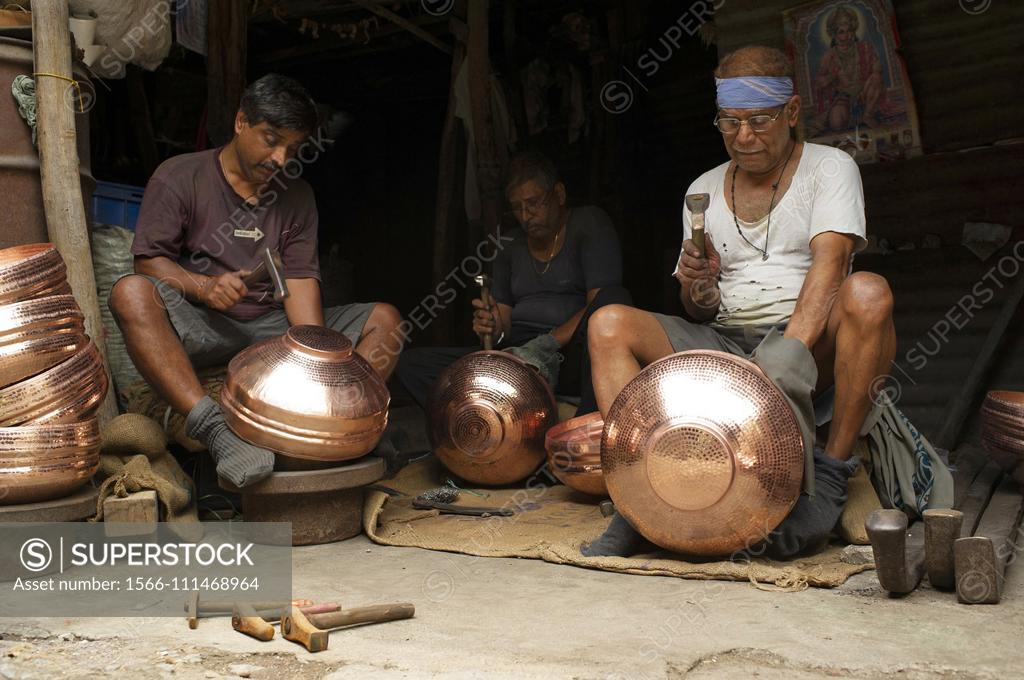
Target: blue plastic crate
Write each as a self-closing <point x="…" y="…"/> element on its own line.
<point x="116" y="204"/>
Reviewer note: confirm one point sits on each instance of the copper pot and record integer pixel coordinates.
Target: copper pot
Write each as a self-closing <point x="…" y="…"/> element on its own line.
<point x="702" y="453"/>
<point x="38" y="334"/>
<point x="43" y="462"/>
<point x="306" y="394"/>
<point x="1002" y="428"/>
<point x="70" y="391"/>
<point x="487" y="416"/>
<point x="31" y="271"/>
<point x="574" y="453"/>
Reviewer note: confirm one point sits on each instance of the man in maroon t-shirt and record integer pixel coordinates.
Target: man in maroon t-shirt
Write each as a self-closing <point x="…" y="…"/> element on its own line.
<point x="205" y="220"/>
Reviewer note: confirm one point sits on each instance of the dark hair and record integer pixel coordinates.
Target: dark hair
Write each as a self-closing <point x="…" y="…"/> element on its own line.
<point x="754" y="60"/>
<point x="280" y="101"/>
<point x="531" y="165"/>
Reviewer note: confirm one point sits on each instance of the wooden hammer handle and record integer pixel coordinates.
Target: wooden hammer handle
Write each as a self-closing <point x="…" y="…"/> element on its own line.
<point x="375" y="614"/>
<point x="245" y="620"/>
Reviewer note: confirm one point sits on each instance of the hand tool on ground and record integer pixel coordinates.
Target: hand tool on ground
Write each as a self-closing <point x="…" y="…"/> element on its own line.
<point x="473" y="511"/>
<point x="981" y="559"/>
<point x="484" y="281"/>
<point x="245" y="620"/>
<point x="899" y="552"/>
<point x="270" y="267"/>
<point x="195" y="610"/>
<point x="941" y="529"/>
<point x="697" y="204"/>
<point x="313" y="632"/>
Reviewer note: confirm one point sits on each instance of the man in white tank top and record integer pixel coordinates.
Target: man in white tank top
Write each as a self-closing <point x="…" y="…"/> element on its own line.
<point x="784" y="221"/>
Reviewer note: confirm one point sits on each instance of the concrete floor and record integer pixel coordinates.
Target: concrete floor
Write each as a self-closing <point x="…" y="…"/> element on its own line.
<point x="503" y="618"/>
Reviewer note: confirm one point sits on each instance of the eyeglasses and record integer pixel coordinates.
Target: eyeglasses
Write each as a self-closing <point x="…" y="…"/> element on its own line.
<point x="531" y="205"/>
<point x="759" y="123"/>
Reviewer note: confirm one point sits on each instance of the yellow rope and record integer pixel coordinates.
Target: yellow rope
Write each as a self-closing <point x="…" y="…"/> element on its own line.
<point x="74" y="84"/>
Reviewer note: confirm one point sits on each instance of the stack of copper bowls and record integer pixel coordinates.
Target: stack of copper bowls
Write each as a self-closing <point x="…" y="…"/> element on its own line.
<point x="1002" y="428"/>
<point x="306" y="395"/>
<point x="574" y="453"/>
<point x="52" y="380"/>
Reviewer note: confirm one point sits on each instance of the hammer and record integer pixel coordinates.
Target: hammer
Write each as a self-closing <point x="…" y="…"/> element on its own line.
<point x="980" y="560"/>
<point x="697" y="204"/>
<point x="194" y="610"/>
<point x="899" y="552"/>
<point x="484" y="281"/>
<point x="271" y="267"/>
<point x="313" y="632"/>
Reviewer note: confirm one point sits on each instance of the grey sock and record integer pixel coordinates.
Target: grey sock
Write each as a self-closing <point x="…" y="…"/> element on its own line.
<point x="238" y="461"/>
<point x="620" y="539"/>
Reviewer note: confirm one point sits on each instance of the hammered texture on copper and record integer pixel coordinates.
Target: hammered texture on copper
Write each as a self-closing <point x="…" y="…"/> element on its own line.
<point x="43" y="462"/>
<point x="702" y="453"/>
<point x="1002" y="428"/>
<point x="31" y="271"/>
<point x="574" y="453"/>
<point x="487" y="416"/>
<point x="306" y="394"/>
<point x="38" y="334"/>
<point x="70" y="391"/>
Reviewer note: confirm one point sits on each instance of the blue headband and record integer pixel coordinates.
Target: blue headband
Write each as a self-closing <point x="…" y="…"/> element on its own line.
<point x="753" y="92"/>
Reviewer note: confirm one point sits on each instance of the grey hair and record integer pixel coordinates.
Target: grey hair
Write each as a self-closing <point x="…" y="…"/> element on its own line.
<point x="531" y="165"/>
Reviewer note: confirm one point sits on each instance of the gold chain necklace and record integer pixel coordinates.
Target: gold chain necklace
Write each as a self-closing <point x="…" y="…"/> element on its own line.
<point x="551" y="256"/>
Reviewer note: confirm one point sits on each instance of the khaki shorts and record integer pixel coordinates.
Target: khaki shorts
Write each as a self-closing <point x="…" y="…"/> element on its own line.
<point x="211" y="338"/>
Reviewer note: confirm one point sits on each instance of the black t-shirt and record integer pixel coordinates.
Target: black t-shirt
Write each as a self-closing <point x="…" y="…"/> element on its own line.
<point x="590" y="258"/>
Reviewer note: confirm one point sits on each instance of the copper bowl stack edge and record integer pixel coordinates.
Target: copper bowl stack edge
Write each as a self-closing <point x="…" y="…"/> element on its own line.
<point x="487" y="417"/>
<point x="31" y="271"/>
<point x="574" y="453"/>
<point x="36" y="335"/>
<point x="306" y="395"/>
<point x="72" y="390"/>
<point x="702" y="453"/>
<point x="43" y="462"/>
<point x="1002" y="428"/>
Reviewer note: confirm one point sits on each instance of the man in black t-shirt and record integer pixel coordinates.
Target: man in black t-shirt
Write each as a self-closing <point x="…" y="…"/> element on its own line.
<point x="560" y="266"/>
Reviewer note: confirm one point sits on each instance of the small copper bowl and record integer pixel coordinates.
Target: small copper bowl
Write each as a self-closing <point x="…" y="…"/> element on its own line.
<point x="43" y="462"/>
<point x="487" y="416"/>
<point x="702" y="453"/>
<point x="307" y="395"/>
<point x="70" y="391"/>
<point x="31" y="271"/>
<point x="574" y="453"/>
<point x="38" y="334"/>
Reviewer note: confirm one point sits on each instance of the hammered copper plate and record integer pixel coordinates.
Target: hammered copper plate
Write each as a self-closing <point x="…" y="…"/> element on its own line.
<point x="306" y="394"/>
<point x="31" y="271"/>
<point x="32" y="485"/>
<point x="38" y="334"/>
<point x="702" y="453"/>
<point x="487" y="416"/>
<point x="70" y="391"/>
<point x="49" y="442"/>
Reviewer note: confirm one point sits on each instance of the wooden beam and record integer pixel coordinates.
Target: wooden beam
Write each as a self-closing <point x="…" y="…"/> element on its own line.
<point x="488" y="165"/>
<point x="225" y="66"/>
<point x="57" y="102"/>
<point x="404" y="23"/>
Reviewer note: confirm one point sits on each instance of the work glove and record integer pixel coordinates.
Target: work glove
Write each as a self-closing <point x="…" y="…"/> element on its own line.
<point x="541" y="353"/>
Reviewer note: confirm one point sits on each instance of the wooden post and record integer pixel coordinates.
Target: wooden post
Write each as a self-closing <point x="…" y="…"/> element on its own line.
<point x="57" y="99"/>
<point x="225" y="66"/>
<point x="488" y="166"/>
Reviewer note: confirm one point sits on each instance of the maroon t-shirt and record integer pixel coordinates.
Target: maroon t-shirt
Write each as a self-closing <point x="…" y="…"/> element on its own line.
<point x="191" y="215"/>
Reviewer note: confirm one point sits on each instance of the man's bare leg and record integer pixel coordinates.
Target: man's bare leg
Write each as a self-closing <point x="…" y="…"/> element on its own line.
<point x="858" y="348"/>
<point x="622" y="340"/>
<point x="381" y="343"/>
<point x="157" y="352"/>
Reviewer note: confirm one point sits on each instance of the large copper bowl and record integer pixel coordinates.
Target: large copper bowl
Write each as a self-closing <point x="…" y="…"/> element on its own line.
<point x="43" y="462"/>
<point x="574" y="453"/>
<point x="1002" y="428"/>
<point x="487" y="416"/>
<point x="702" y="453"/>
<point x="38" y="334"/>
<point x="70" y="391"/>
<point x="31" y="271"/>
<point x="307" y="395"/>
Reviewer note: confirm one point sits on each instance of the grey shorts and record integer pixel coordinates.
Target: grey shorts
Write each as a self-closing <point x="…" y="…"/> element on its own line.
<point x="211" y="338"/>
<point x="685" y="335"/>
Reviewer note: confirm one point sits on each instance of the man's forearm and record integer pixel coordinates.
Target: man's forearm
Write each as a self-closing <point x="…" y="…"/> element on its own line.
<point x="817" y="295"/>
<point x="563" y="334"/>
<point x="705" y="308"/>
<point x="189" y="284"/>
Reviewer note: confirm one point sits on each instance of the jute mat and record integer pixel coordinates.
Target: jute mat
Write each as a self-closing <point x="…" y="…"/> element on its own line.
<point x="551" y="522"/>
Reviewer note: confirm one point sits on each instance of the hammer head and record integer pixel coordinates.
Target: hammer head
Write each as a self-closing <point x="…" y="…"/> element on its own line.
<point x="270" y="266"/>
<point x="698" y="203"/>
<point x="483" y="280"/>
